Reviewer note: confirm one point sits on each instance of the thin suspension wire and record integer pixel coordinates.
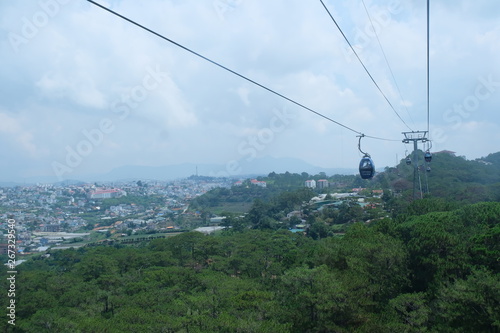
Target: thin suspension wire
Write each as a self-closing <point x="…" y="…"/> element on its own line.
<point x="362" y="64"/>
<point x="419" y="181"/>
<point x="429" y="145"/>
<point x="426" y="182"/>
<point x="428" y="112"/>
<point x="387" y="62"/>
<point x="379" y="138"/>
<point x="234" y="72"/>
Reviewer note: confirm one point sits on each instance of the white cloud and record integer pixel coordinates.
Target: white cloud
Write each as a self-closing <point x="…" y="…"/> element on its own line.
<point x="81" y="90"/>
<point x="11" y="129"/>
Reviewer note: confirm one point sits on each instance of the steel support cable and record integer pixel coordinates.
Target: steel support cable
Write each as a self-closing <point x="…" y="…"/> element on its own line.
<point x="428" y="88"/>
<point x="420" y="184"/>
<point x="362" y="64"/>
<point x="426" y="183"/>
<point x="387" y="62"/>
<point x="233" y="72"/>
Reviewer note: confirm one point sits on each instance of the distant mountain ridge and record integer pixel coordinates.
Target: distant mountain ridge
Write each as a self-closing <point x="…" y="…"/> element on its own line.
<point x="482" y="170"/>
<point x="235" y="169"/>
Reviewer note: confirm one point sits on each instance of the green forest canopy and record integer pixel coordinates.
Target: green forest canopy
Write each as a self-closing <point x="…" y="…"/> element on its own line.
<point x="435" y="271"/>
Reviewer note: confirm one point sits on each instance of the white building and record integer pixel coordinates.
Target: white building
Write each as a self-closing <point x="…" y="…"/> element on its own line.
<point x="310" y="183"/>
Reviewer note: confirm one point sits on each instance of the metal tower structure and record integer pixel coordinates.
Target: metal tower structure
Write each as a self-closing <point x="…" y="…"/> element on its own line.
<point x="415" y="137"/>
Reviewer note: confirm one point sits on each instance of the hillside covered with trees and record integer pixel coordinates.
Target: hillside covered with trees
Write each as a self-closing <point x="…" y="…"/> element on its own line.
<point x="451" y="177"/>
<point x="385" y="263"/>
<point x="425" y="271"/>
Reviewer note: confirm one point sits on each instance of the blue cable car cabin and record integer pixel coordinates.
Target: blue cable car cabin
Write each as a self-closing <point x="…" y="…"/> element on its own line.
<point x="428" y="156"/>
<point x="366" y="167"/>
<point x="408" y="160"/>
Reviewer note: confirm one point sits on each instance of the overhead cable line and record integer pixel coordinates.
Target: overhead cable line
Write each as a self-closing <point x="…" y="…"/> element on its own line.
<point x="233" y="72"/>
<point x="362" y="64"/>
<point x="420" y="183"/>
<point x="387" y="62"/>
<point x="428" y="112"/>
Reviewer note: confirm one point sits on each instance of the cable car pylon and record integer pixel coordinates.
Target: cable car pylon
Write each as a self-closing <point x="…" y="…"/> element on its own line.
<point x="415" y="137"/>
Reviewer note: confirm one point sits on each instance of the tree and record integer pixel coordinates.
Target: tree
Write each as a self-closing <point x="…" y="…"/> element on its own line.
<point x="258" y="214"/>
<point x="367" y="260"/>
<point x="470" y="305"/>
<point x="183" y="247"/>
<point x="408" y="313"/>
<point x="92" y="267"/>
<point x="318" y="230"/>
<point x="435" y="252"/>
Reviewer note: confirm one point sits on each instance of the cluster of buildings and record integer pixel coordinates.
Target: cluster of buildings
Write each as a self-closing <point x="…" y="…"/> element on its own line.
<point x="48" y="214"/>
<point x="320" y="183"/>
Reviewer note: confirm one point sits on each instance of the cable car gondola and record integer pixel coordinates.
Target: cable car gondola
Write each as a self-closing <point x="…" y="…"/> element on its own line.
<point x="408" y="160"/>
<point x="366" y="167"/>
<point x="428" y="156"/>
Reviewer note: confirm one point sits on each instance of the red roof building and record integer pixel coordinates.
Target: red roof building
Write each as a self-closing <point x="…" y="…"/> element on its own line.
<point x="107" y="193"/>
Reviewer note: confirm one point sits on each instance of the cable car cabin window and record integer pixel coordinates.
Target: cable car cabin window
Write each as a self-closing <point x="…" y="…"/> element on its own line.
<point x="366" y="168"/>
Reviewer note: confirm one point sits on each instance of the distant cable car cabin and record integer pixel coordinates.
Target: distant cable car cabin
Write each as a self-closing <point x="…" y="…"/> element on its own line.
<point x="366" y="167"/>
<point x="428" y="156"/>
<point x="408" y="160"/>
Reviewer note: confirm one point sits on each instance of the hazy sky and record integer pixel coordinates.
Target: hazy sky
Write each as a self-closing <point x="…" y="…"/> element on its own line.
<point x="83" y="91"/>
